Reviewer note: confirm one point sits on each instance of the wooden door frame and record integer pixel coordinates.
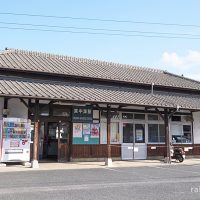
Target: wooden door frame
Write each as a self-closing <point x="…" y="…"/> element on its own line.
<point x="59" y="142"/>
<point x="58" y="120"/>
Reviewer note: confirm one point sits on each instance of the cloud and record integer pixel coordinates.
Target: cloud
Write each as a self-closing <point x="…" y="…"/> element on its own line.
<point x="193" y="76"/>
<point x="191" y="59"/>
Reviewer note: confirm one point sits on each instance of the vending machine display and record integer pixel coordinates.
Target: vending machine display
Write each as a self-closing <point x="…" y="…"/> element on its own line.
<point x="15" y="140"/>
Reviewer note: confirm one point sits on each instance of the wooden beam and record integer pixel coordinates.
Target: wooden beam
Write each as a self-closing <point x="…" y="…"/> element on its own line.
<point x="27" y="105"/>
<point x="5" y="106"/>
<point x="158" y="111"/>
<point x="172" y="112"/>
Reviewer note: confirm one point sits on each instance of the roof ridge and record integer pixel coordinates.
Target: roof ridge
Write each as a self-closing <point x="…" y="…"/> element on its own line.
<point x="78" y="59"/>
<point x="183" y="77"/>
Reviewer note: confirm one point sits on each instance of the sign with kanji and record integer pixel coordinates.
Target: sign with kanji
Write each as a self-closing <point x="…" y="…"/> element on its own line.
<point x="82" y="114"/>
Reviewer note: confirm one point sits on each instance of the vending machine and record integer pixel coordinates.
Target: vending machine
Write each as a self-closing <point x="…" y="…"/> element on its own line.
<point x="15" y="140"/>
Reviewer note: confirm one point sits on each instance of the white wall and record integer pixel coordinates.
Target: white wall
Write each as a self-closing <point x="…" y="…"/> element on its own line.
<point x="17" y="109"/>
<point x="196" y="127"/>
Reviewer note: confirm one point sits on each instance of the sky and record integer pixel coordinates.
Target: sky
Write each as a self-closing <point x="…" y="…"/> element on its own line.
<point x="157" y="34"/>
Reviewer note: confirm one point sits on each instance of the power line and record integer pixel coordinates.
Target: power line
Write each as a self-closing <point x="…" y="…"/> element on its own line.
<point x="99" y="29"/>
<point x="99" y="33"/>
<point x="101" y="20"/>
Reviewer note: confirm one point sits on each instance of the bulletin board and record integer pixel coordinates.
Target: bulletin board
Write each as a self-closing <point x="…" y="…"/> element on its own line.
<point x="85" y="133"/>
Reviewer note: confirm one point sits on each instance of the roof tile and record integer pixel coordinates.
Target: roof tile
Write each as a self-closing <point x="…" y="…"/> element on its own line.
<point x="80" y="67"/>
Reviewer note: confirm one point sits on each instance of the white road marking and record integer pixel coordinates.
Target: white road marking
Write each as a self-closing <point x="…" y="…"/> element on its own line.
<point x="144" y="176"/>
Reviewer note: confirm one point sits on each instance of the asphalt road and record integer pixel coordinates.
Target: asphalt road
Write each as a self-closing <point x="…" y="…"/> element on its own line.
<point x="163" y="182"/>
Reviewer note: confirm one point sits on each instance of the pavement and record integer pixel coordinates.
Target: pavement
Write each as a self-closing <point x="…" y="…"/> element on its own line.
<point x="47" y="165"/>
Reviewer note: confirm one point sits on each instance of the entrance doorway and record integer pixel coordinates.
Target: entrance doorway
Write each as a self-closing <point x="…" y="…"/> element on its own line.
<point x="133" y="146"/>
<point x="56" y="142"/>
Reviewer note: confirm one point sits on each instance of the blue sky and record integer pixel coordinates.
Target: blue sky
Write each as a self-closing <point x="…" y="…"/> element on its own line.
<point x="176" y="55"/>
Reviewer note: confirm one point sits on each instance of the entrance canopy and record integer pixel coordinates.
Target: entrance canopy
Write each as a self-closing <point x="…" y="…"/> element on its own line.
<point x="94" y="93"/>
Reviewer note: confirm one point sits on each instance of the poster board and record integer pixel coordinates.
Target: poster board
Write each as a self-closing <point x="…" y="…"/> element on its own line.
<point x="89" y="134"/>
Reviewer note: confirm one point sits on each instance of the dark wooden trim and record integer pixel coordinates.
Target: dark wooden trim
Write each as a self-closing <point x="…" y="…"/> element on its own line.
<point x="160" y="113"/>
<point x="94" y="150"/>
<point x="30" y="109"/>
<point x="92" y="102"/>
<point x="161" y="149"/>
<point x="5" y="105"/>
<point x="64" y="77"/>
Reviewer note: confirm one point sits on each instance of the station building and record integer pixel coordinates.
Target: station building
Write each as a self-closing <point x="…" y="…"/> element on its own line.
<point x="84" y="109"/>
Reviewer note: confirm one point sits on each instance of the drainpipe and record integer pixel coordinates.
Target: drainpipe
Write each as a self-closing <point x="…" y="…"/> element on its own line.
<point x="152" y="84"/>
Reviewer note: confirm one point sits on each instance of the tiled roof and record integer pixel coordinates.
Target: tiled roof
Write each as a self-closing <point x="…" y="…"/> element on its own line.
<point x="79" y="67"/>
<point x="76" y="92"/>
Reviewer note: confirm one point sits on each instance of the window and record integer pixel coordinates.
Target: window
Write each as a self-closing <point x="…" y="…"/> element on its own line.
<point x="127" y="116"/>
<point x="139" y="116"/>
<point x="176" y="118"/>
<point x="161" y="132"/>
<point x="61" y="111"/>
<point x="114" y="132"/>
<point x="183" y="136"/>
<point x="44" y="110"/>
<point x="127" y="133"/>
<point x="113" y="115"/>
<point x="103" y="133"/>
<point x="152" y="117"/>
<point x="139" y="133"/>
<point x="156" y="133"/>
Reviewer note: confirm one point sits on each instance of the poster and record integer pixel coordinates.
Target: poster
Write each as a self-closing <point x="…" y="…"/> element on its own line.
<point x="139" y="135"/>
<point x="86" y="129"/>
<point x="77" y="130"/>
<point x="94" y="130"/>
<point x="86" y="138"/>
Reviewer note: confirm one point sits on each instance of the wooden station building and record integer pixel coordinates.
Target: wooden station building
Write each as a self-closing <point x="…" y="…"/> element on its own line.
<point x="83" y="109"/>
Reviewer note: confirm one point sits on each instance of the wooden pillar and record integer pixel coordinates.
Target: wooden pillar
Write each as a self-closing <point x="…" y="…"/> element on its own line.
<point x="108" y="160"/>
<point x="34" y="163"/>
<point x="70" y="156"/>
<point x="58" y="157"/>
<point x="5" y="106"/>
<point x="167" y="141"/>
